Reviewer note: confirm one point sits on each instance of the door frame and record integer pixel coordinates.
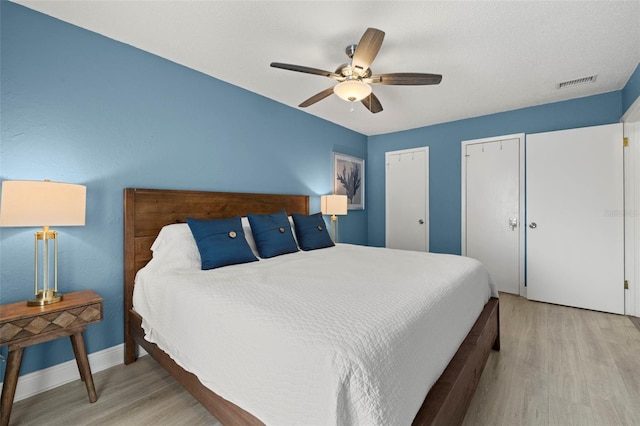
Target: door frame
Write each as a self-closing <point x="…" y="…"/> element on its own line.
<point x="631" y="130"/>
<point x="424" y="149"/>
<point x="521" y="201"/>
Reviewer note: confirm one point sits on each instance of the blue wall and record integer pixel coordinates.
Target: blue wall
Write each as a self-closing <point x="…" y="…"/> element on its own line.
<point x="81" y="108"/>
<point x="444" y="142"/>
<point x="631" y="90"/>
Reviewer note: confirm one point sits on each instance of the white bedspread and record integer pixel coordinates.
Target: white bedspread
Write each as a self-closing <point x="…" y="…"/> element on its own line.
<point x="340" y="336"/>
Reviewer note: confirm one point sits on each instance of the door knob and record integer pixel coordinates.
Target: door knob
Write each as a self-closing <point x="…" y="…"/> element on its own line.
<point x="533" y="225"/>
<point x="421" y="222"/>
<point x="513" y="223"/>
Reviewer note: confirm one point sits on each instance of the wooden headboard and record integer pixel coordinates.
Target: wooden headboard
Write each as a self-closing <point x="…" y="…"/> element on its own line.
<point x="146" y="211"/>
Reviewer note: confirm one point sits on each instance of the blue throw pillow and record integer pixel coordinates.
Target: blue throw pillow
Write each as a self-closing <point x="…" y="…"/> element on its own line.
<point x="272" y="233"/>
<point x="311" y="232"/>
<point x="221" y="242"/>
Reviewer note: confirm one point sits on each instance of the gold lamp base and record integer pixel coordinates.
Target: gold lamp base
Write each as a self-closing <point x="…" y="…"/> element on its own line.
<point x="334" y="228"/>
<point x="45" y="298"/>
<point x="45" y="294"/>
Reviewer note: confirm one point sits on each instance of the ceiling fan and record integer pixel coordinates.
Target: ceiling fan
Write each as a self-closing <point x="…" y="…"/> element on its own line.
<point x="355" y="77"/>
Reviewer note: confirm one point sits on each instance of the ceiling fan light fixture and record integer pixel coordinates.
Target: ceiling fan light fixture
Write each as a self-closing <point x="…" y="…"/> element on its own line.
<point x="352" y="90"/>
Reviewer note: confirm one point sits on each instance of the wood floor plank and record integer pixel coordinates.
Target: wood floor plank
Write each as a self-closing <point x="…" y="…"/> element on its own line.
<point x="557" y="366"/>
<point x="567" y="379"/>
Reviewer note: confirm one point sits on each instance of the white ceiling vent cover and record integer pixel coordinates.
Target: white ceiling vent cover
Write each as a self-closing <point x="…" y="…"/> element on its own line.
<point x="577" y="81"/>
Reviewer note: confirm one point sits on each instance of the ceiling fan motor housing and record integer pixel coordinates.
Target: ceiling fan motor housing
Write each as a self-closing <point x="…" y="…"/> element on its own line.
<point x="349" y="72"/>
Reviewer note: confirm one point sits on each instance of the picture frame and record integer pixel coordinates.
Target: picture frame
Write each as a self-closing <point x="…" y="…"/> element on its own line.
<point x="348" y="179"/>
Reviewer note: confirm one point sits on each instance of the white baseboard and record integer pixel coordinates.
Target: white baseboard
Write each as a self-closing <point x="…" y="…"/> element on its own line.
<point x="58" y="375"/>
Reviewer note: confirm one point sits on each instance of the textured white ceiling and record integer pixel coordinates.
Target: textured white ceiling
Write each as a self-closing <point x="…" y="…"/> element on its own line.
<point x="494" y="56"/>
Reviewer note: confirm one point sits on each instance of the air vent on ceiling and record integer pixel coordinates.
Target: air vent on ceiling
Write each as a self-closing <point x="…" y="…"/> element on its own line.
<point x="577" y="82"/>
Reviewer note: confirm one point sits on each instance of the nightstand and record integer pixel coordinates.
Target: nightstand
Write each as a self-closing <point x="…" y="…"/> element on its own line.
<point x="22" y="326"/>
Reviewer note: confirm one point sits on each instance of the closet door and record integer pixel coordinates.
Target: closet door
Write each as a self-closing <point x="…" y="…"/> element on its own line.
<point x="574" y="204"/>
<point x="407" y="199"/>
<point x="491" y="208"/>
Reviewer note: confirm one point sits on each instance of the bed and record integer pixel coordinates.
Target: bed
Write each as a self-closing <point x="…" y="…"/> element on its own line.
<point x="146" y="212"/>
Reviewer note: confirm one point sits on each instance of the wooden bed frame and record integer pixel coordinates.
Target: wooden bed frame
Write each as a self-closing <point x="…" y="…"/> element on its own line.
<point x="146" y="211"/>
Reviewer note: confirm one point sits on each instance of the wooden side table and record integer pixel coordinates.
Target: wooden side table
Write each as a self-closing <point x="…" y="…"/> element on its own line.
<point x="22" y="326"/>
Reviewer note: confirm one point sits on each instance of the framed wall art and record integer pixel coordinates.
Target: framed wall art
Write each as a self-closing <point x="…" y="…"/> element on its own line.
<point x="348" y="179"/>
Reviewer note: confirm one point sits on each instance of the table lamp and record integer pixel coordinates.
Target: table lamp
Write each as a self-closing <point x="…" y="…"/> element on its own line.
<point x="334" y="205"/>
<point x="43" y="203"/>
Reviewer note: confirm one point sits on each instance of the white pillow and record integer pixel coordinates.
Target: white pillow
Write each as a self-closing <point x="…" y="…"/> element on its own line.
<point x="176" y="246"/>
<point x="293" y="230"/>
<point x="246" y="227"/>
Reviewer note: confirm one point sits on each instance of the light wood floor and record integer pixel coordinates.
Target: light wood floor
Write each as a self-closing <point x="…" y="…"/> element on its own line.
<point x="560" y="366"/>
<point x="557" y="366"/>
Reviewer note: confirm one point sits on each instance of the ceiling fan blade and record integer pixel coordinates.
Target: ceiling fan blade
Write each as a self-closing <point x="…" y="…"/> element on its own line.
<point x="317" y="97"/>
<point x="404" y="79"/>
<point x="367" y="49"/>
<point x="308" y="70"/>
<point x="372" y="103"/>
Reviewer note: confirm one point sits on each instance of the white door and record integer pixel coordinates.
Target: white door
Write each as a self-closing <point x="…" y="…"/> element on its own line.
<point x="631" y="124"/>
<point x="575" y="210"/>
<point x="407" y="199"/>
<point x="491" y="203"/>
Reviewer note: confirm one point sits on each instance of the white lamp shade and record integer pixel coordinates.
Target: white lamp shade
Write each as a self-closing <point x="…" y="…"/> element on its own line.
<point x="352" y="90"/>
<point x="42" y="203"/>
<point x="333" y="204"/>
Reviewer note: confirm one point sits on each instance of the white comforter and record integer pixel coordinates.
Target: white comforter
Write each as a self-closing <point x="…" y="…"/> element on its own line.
<point x="340" y="336"/>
